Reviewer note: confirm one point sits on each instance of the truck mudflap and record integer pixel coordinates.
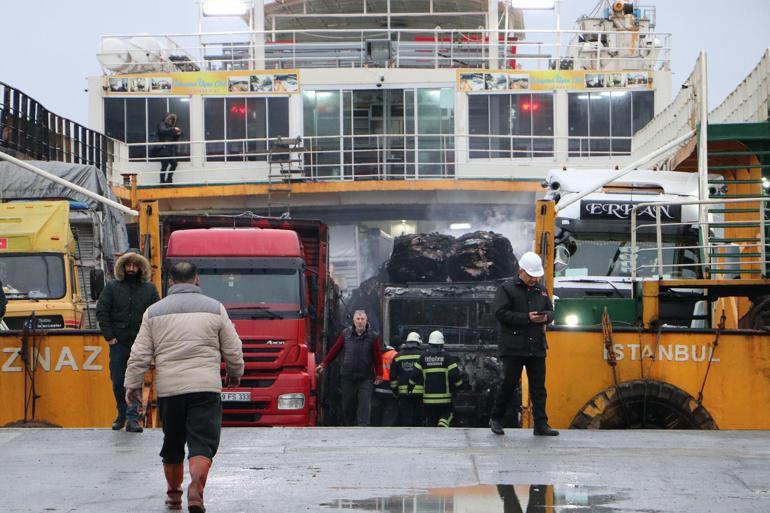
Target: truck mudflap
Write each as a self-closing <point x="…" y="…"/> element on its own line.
<point x="275" y="399"/>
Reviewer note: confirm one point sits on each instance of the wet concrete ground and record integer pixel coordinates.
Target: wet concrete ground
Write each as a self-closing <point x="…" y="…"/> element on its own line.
<point x="398" y="470"/>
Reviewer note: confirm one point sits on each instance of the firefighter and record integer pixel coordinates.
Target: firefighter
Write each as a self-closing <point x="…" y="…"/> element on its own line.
<point x="409" y="403"/>
<point x="437" y="377"/>
<point x="384" y="402"/>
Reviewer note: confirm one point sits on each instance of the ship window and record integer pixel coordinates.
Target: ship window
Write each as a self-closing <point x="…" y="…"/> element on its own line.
<point x="135" y="120"/>
<point x="507" y="125"/>
<point x="611" y="116"/>
<point x="242" y="127"/>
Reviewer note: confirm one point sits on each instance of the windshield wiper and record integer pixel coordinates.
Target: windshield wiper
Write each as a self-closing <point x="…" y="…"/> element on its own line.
<point x="592" y="280"/>
<point x="261" y="308"/>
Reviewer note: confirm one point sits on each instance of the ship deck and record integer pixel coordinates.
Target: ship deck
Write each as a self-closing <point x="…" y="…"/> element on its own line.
<point x="397" y="470"/>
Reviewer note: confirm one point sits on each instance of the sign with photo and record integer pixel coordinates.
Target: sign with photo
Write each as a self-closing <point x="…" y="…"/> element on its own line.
<point x="205" y="83"/>
<point x="473" y="81"/>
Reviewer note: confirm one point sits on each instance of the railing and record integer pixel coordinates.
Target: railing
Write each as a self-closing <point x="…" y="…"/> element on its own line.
<point x="680" y="117"/>
<point x="750" y="101"/>
<point x="368" y="157"/>
<point x="403" y="48"/>
<point x="29" y="131"/>
<point x="733" y="243"/>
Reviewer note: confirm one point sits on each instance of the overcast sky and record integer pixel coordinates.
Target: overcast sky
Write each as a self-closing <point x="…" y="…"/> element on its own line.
<point x="48" y="47"/>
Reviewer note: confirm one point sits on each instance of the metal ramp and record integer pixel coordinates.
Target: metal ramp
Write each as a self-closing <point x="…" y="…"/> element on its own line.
<point x="285" y="166"/>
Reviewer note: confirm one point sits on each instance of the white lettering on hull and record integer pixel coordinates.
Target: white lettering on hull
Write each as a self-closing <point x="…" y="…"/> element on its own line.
<point x="665" y="352"/>
<point x="11" y="361"/>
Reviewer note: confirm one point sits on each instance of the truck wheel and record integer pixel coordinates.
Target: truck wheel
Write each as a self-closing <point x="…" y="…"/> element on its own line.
<point x="643" y="404"/>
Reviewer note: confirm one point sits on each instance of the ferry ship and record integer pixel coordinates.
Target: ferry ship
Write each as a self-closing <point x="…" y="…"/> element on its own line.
<point x="380" y="118"/>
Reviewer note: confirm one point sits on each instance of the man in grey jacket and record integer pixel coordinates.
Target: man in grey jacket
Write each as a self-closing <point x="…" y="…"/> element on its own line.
<point x="187" y="334"/>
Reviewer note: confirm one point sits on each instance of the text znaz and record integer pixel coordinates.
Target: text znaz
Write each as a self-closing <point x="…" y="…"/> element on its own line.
<point x="665" y="352"/>
<point x="12" y="361"/>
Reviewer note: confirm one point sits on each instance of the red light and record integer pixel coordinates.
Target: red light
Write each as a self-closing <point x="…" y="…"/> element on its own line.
<point x="525" y="106"/>
<point x="237" y="109"/>
<point x="535" y="106"/>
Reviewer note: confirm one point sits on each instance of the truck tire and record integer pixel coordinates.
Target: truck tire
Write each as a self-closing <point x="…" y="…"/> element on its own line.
<point x="643" y="404"/>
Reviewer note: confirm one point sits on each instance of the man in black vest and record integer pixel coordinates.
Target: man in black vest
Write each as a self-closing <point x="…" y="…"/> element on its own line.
<point x="523" y="309"/>
<point x="361" y="368"/>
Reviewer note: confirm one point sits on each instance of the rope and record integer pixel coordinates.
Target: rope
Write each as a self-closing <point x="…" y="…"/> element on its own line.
<point x="714" y="346"/>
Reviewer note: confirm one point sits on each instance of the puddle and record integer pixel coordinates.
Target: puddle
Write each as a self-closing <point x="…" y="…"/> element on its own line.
<point x="503" y="498"/>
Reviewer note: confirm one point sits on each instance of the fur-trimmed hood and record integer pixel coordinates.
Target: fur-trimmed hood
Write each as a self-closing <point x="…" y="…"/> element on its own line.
<point x="136" y="258"/>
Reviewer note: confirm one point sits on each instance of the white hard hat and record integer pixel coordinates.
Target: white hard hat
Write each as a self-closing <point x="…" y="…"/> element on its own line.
<point x="436" y="337"/>
<point x="531" y="264"/>
<point x="414" y="337"/>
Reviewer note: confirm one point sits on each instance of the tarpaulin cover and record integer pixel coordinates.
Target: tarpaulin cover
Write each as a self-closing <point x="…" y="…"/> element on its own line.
<point x="17" y="183"/>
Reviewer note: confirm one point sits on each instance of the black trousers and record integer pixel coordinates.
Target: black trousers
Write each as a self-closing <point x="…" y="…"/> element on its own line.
<point x="119" y="355"/>
<point x="384" y="409"/>
<point x="512" y="367"/>
<point x="169" y="164"/>
<point x="511" y="504"/>
<point x="410" y="410"/>
<point x="437" y="415"/>
<point x="356" y="400"/>
<point x="194" y="419"/>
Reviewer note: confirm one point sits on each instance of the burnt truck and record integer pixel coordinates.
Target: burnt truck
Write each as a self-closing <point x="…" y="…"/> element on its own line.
<point x="462" y="310"/>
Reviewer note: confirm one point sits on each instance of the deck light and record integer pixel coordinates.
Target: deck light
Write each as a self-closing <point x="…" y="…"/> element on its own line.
<point x="226" y="7"/>
<point x="533" y="4"/>
<point x="571" y="320"/>
<point x="460" y="226"/>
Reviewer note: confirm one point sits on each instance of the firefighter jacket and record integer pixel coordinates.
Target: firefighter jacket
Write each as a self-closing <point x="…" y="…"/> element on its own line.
<point x="517" y="335"/>
<point x="403" y="366"/>
<point x="436" y="376"/>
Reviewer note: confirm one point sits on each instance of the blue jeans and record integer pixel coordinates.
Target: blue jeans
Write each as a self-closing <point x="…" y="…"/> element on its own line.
<point x="118" y="362"/>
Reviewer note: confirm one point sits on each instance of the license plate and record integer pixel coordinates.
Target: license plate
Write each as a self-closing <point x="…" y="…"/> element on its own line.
<point x="239" y="397"/>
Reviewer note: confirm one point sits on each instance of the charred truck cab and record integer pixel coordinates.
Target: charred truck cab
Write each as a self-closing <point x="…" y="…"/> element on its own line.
<point x="271" y="293"/>
<point x="463" y="312"/>
<point x="593" y="244"/>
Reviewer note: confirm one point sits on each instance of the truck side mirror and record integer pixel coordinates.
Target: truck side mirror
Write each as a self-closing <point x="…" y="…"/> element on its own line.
<point x="561" y="259"/>
<point x="96" y="278"/>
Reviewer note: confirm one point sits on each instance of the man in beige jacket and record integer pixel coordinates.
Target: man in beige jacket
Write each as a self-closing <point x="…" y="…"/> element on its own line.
<point x="187" y="334"/>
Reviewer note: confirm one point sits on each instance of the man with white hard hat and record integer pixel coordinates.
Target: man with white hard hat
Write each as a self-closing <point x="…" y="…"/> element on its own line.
<point x="523" y="309"/>
<point x="437" y="377"/>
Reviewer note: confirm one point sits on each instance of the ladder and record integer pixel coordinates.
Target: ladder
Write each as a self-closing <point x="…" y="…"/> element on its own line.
<point x="285" y="160"/>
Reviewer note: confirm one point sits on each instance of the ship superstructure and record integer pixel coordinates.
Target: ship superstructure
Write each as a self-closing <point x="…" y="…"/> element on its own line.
<point x="380" y="117"/>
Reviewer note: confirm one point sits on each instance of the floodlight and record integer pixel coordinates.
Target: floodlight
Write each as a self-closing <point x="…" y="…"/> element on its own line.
<point x="460" y="226"/>
<point x="533" y="4"/>
<point x="226" y="7"/>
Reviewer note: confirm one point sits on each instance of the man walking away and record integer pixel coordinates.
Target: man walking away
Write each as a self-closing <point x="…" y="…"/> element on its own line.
<point x="409" y="403"/>
<point x="523" y="309"/>
<point x="187" y="334"/>
<point x="437" y="377"/>
<point x="361" y="363"/>
<point x="119" y="311"/>
<point x="384" y="402"/>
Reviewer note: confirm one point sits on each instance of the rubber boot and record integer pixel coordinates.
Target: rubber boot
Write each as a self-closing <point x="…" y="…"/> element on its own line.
<point x="199" y="472"/>
<point x="174" y="477"/>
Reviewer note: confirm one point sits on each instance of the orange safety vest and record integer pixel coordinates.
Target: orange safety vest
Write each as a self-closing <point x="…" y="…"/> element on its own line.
<point x="387" y="359"/>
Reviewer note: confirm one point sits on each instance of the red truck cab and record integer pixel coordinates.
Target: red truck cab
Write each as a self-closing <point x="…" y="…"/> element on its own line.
<point x="271" y="292"/>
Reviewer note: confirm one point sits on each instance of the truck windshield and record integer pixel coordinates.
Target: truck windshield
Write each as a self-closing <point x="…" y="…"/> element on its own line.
<point x="462" y="322"/>
<point x="33" y="276"/>
<point x="277" y="289"/>
<point x="613" y="258"/>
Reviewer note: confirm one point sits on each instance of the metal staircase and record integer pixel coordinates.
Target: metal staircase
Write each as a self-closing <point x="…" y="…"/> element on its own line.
<point x="285" y="167"/>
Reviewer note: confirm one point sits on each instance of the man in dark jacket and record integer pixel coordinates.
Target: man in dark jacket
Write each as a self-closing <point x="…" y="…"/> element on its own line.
<point x="409" y="403"/>
<point x="361" y="369"/>
<point x="437" y="378"/>
<point x="119" y="311"/>
<point x="168" y="132"/>
<point x="523" y="309"/>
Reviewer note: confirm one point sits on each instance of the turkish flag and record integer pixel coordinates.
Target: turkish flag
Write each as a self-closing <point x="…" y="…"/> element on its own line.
<point x="3" y="243"/>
